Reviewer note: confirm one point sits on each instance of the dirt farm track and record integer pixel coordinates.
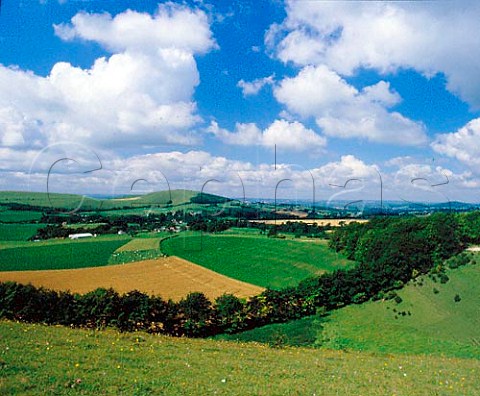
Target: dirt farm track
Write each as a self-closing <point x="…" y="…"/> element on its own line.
<point x="169" y="277"/>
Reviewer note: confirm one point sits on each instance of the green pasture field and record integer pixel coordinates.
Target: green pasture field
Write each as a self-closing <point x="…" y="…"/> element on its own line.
<point x="18" y="216"/>
<point x="41" y="360"/>
<point x="436" y="324"/>
<point x="18" y="232"/>
<point x="62" y="241"/>
<point x="262" y="261"/>
<point x="140" y="244"/>
<point x="66" y="255"/>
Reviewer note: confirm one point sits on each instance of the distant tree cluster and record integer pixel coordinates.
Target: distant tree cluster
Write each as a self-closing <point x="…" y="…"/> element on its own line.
<point x="216" y="225"/>
<point x="208" y="199"/>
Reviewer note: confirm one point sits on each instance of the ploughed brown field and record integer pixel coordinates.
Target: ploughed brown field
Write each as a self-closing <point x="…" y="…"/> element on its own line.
<point x="168" y="277"/>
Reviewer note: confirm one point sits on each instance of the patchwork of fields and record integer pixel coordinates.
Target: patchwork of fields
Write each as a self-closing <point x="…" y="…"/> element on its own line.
<point x="86" y="264"/>
<point x="252" y="260"/>
<point x="426" y="342"/>
<point x="262" y="261"/>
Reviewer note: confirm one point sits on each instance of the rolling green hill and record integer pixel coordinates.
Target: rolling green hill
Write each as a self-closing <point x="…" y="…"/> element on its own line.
<point x="37" y="359"/>
<point x="44" y="200"/>
<point x="262" y="261"/>
<point x="73" y="201"/>
<point x="159" y="198"/>
<point x="427" y="321"/>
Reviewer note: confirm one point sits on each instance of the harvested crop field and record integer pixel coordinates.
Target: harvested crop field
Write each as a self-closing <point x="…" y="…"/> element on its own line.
<point x="169" y="277"/>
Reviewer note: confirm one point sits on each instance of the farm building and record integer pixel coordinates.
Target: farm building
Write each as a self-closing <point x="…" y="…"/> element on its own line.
<point x="83" y="235"/>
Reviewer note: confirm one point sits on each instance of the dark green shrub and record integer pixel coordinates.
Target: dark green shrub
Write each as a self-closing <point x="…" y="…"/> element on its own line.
<point x="229" y="311"/>
<point x="133" y="311"/>
<point x="197" y="313"/>
<point x="443" y="278"/>
<point x="99" y="308"/>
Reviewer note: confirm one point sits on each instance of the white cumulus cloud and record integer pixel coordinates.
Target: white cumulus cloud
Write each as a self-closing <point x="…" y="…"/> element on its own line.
<point x="254" y="87"/>
<point x="171" y="27"/>
<point x="439" y="37"/>
<point x="464" y="145"/>
<point x="286" y="135"/>
<point x="343" y="111"/>
<point x="141" y="94"/>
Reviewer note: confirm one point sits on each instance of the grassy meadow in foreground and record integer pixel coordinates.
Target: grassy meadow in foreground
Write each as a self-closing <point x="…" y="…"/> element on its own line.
<point x="262" y="261"/>
<point x="36" y="359"/>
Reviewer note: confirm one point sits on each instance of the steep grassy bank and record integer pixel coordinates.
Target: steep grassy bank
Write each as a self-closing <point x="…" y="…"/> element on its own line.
<point x="36" y="359"/>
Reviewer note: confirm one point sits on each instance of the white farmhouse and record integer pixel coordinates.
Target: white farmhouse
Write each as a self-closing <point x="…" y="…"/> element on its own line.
<point x="78" y="236"/>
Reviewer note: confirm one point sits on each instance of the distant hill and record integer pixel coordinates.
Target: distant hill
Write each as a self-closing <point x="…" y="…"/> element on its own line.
<point x="74" y="201"/>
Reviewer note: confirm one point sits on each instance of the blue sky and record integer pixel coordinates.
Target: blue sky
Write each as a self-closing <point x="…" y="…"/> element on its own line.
<point x="198" y="91"/>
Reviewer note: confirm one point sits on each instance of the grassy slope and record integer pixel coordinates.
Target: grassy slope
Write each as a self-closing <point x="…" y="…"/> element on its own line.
<point x="70" y="254"/>
<point x="73" y="201"/>
<point x="63" y="201"/>
<point x="36" y="359"/>
<point x="178" y="197"/>
<point x="437" y="324"/>
<point x="259" y="260"/>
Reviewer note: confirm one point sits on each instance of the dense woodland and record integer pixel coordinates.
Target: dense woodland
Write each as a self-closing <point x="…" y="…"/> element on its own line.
<point x="389" y="252"/>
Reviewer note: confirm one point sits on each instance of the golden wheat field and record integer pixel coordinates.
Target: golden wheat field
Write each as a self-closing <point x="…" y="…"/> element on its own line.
<point x="168" y="277"/>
